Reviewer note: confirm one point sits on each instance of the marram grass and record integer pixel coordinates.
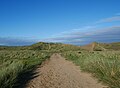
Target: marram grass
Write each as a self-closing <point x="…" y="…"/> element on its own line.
<point x="14" y="63"/>
<point x="104" y="65"/>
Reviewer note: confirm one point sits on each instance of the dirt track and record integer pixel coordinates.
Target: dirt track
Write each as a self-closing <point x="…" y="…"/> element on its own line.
<point x="60" y="73"/>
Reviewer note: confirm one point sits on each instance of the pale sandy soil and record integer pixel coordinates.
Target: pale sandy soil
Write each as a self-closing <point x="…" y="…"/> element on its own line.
<point x="60" y="73"/>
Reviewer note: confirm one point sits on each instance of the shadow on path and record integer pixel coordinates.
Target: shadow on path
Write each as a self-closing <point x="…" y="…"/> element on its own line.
<point x="24" y="78"/>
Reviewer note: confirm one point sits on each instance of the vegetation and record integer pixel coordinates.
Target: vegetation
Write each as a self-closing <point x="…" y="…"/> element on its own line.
<point x="102" y="60"/>
<point x="14" y="63"/>
<point x="102" y="46"/>
<point x="111" y="46"/>
<point x="104" y="65"/>
<point x="17" y="60"/>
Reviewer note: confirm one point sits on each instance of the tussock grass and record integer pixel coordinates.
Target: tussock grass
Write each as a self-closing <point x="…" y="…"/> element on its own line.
<point x="14" y="63"/>
<point x="104" y="65"/>
<point x="16" y="60"/>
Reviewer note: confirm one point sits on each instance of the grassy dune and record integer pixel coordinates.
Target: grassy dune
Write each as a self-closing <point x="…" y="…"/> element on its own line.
<point x="104" y="65"/>
<point x="102" y="60"/>
<point x="14" y="63"/>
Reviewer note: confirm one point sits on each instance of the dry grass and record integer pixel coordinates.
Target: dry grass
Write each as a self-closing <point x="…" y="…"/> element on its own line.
<point x="104" y="65"/>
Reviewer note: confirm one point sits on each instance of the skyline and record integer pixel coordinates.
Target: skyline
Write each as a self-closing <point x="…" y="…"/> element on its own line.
<point x="24" y="22"/>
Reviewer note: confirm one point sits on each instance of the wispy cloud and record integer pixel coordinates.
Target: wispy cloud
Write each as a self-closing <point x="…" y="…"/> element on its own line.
<point x="77" y="31"/>
<point x="118" y="14"/>
<point x="110" y="19"/>
<point x="98" y="32"/>
<point x="110" y="34"/>
<point x="16" y="41"/>
<point x="79" y="36"/>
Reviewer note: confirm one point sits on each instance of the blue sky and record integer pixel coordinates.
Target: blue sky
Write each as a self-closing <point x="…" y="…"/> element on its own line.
<point x="24" y="22"/>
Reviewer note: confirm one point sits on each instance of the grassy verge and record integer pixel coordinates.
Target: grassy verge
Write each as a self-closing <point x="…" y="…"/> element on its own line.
<point x="14" y="63"/>
<point x="104" y="65"/>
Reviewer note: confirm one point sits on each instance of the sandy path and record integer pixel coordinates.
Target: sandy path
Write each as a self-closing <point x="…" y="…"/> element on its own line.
<point x="59" y="73"/>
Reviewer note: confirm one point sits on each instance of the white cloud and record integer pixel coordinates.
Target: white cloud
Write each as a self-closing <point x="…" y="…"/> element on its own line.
<point x="16" y="41"/>
<point x="111" y="19"/>
<point x="118" y="14"/>
<point x="110" y="34"/>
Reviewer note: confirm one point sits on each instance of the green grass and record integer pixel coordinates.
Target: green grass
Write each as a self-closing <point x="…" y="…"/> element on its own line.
<point x="16" y="60"/>
<point x="14" y="63"/>
<point x="104" y="65"/>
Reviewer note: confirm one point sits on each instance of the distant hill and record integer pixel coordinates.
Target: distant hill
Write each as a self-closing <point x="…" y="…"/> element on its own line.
<point x="112" y="46"/>
<point x="95" y="46"/>
<point x="53" y="46"/>
<point x="43" y="46"/>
